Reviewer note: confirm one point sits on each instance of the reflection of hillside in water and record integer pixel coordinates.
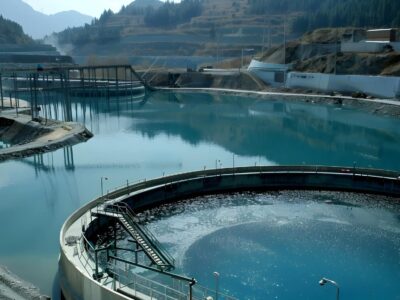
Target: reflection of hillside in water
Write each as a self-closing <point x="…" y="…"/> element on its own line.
<point x="285" y="132"/>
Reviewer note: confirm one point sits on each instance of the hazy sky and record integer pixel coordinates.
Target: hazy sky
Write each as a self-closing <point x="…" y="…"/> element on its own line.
<point x="90" y="7"/>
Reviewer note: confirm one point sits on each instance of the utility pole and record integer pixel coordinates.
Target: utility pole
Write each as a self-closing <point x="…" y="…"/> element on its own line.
<point x="263" y="38"/>
<point x="269" y="34"/>
<point x="217" y="46"/>
<point x="284" y="40"/>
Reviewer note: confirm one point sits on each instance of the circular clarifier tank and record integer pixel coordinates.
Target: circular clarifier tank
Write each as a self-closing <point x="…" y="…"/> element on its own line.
<point x="279" y="245"/>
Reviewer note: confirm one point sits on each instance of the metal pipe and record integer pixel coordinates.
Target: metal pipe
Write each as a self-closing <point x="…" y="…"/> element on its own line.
<point x="1" y="91"/>
<point x="101" y="184"/>
<point x="176" y="276"/>
<point x="97" y="265"/>
<point x="191" y="284"/>
<point x="216" y="274"/>
<point x="324" y="280"/>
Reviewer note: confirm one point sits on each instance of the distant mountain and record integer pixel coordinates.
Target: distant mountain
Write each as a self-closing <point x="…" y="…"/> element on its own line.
<point x="37" y="24"/>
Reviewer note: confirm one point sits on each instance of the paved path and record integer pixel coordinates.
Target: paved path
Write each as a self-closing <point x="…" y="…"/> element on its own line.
<point x="303" y="95"/>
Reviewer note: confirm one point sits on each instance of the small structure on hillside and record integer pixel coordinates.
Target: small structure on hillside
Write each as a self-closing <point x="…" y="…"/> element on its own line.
<point x="272" y="74"/>
<point x="381" y="35"/>
<point x="373" y="41"/>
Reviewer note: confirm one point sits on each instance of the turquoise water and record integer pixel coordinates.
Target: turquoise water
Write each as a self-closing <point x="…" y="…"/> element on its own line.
<point x="279" y="245"/>
<point x="168" y="133"/>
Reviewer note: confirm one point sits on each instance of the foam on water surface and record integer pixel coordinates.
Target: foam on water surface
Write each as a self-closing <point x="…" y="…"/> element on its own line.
<point x="279" y="245"/>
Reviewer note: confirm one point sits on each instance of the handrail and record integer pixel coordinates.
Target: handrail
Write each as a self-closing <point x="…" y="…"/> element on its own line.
<point x="125" y="209"/>
<point x="81" y="246"/>
<point x="87" y="242"/>
<point x="149" y="287"/>
<point x="254" y="169"/>
<point x="207" y="292"/>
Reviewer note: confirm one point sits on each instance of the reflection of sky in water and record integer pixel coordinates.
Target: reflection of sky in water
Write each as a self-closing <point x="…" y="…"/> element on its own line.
<point x="278" y="246"/>
<point x="169" y="133"/>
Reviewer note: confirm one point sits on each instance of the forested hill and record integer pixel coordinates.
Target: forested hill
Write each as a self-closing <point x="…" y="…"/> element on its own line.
<point x="12" y="33"/>
<point x="199" y="27"/>
<point x="332" y="13"/>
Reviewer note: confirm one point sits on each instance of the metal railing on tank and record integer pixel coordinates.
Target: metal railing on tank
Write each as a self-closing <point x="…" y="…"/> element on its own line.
<point x="124" y="277"/>
<point x="133" y="284"/>
<point x="124" y="208"/>
<point x="90" y="261"/>
<point x="178" y="288"/>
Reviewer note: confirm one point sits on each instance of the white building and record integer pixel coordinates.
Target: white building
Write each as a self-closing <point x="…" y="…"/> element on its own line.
<point x="271" y="74"/>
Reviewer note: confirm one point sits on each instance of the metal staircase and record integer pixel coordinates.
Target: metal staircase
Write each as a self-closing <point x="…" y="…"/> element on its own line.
<point x="140" y="234"/>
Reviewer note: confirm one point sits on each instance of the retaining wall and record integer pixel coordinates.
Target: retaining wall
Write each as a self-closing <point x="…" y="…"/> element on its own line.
<point x="368" y="46"/>
<point x="378" y="86"/>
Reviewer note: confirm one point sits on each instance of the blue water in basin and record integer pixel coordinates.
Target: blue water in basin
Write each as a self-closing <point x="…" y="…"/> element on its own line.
<point x="278" y="246"/>
<point x="167" y="133"/>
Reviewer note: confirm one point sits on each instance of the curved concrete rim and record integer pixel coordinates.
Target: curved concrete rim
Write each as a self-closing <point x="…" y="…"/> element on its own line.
<point x="349" y="179"/>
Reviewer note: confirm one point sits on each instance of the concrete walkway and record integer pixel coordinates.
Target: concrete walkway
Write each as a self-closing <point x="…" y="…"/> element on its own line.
<point x="39" y="136"/>
<point x="284" y="94"/>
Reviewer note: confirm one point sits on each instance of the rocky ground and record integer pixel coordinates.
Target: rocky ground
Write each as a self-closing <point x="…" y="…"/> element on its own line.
<point x="14" y="288"/>
<point x="319" y="51"/>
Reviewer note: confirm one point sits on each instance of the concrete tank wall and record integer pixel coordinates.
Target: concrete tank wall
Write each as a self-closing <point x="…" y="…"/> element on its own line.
<point x="362" y="47"/>
<point x="368" y="46"/>
<point x="379" y="86"/>
<point x="76" y="283"/>
<point x="260" y="182"/>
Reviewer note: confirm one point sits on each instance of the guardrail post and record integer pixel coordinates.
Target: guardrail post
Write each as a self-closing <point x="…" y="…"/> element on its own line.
<point x="96" y="274"/>
<point x="115" y="238"/>
<point x="191" y="284"/>
<point x="1" y="91"/>
<point x="134" y="283"/>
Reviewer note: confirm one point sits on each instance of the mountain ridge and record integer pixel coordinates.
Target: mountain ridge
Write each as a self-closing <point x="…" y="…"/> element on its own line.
<point x="219" y="28"/>
<point x="37" y="24"/>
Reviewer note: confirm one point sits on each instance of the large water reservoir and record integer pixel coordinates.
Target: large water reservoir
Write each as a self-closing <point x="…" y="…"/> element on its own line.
<point x="166" y="132"/>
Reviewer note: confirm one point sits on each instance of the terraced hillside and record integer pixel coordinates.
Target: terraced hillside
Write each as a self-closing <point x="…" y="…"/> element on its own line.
<point x="220" y="28"/>
<point x="315" y="52"/>
<point x="223" y="28"/>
